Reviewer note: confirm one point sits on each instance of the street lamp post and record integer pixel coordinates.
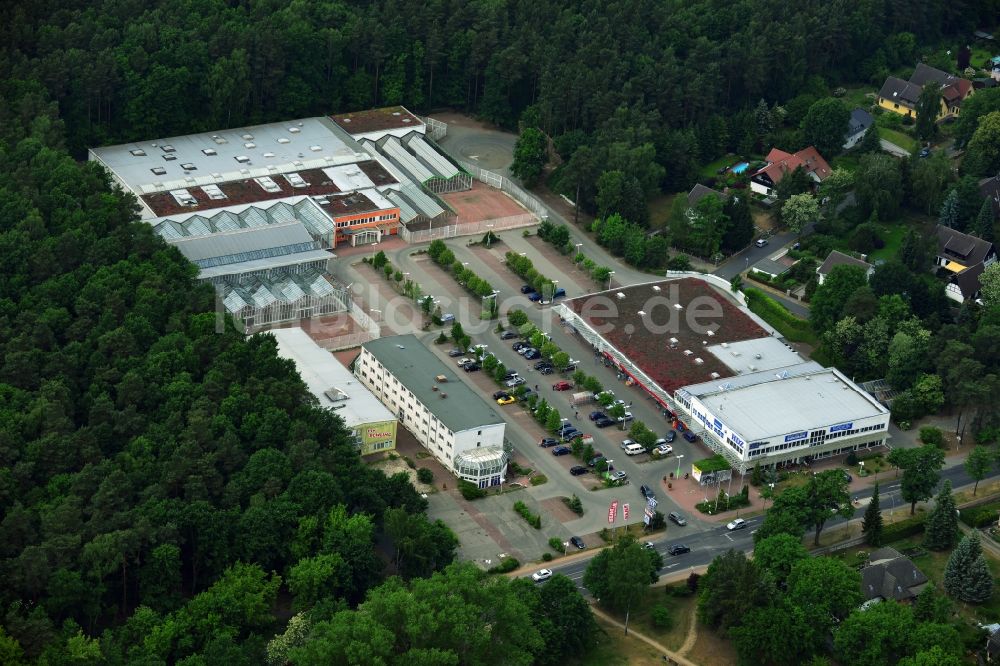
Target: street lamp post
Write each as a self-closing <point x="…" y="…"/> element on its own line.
<point x="678" y="475"/>
<point x="610" y="273"/>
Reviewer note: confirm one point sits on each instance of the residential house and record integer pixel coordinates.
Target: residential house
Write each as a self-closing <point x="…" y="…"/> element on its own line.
<point x="995" y="68"/>
<point x="837" y="258"/>
<point x="890" y="576"/>
<point x="860" y="121"/>
<point x="780" y="163"/>
<point x="901" y="96"/>
<point x="992" y="652"/>
<point x="963" y="258"/>
<point x="699" y="192"/>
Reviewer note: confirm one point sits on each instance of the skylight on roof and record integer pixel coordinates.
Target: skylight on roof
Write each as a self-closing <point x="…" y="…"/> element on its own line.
<point x="248" y="137"/>
<point x="167" y="148"/>
<point x="158" y="171"/>
<point x="268" y="154"/>
<point x="284" y="139"/>
<point x="169" y="158"/>
<point x="138" y="152"/>
<point x="209" y="151"/>
<point x="218" y="139"/>
<point x="249" y="145"/>
<point x="294" y="130"/>
<point x="315" y="149"/>
<point x="187" y="166"/>
<point x="242" y="159"/>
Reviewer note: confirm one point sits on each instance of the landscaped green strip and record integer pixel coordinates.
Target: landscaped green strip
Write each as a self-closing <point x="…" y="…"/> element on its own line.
<point x="904" y="141"/>
<point x="778" y="316"/>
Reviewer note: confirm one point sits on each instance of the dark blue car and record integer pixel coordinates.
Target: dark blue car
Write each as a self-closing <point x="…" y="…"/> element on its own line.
<point x="561" y="451"/>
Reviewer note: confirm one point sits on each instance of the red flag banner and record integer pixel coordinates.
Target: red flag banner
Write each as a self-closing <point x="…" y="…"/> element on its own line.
<point x="625" y="512"/>
<point x="612" y="512"/>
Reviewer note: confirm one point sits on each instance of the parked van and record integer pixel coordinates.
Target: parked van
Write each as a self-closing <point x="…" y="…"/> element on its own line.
<point x="634" y="449"/>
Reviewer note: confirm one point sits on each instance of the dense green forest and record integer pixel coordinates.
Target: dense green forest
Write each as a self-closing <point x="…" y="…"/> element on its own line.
<point x="168" y="491"/>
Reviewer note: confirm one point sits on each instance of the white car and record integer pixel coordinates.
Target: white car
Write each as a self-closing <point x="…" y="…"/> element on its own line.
<point x="627" y="416"/>
<point x="737" y="524"/>
<point x="541" y="575"/>
<point x="463" y="361"/>
<point x="663" y="449"/>
<point x="626" y="443"/>
<point x="618" y="476"/>
<point x="516" y="381"/>
<point x="481" y="346"/>
<point x="761" y="242"/>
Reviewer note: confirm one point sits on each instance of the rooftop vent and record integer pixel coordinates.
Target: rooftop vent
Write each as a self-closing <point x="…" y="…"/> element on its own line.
<point x="209" y="151"/>
<point x="187" y="166"/>
<point x="169" y="158"/>
<point x="268" y="154"/>
<point x="294" y="130"/>
<point x="757" y="356"/>
<point x="159" y="171"/>
<point x="138" y="152"/>
<point x="189" y="180"/>
<point x="218" y="139"/>
<point x="752" y="368"/>
<point x="715" y="375"/>
<point x="250" y="145"/>
<point x="656" y="287"/>
<point x="284" y="139"/>
<point x="248" y="137"/>
<point x="620" y="295"/>
<point x="725" y="345"/>
<point x="434" y="388"/>
<point x="315" y="149"/>
<point x="245" y="172"/>
<point x="167" y="148"/>
<point x="297" y="163"/>
<point x="710" y="333"/>
<point x="346" y="120"/>
<point x="444" y="395"/>
<point x="406" y="120"/>
<point x="396" y="113"/>
<point x="678" y="306"/>
<point x="698" y="361"/>
<point x="688" y="352"/>
<point x="735" y="353"/>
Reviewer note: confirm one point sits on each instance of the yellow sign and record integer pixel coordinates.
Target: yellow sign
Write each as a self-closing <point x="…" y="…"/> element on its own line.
<point x="376" y="436"/>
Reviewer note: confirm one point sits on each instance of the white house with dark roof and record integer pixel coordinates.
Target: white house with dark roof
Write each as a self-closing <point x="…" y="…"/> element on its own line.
<point x="858" y="125"/>
<point x="963" y="258"/>
<point x="837" y="258"/>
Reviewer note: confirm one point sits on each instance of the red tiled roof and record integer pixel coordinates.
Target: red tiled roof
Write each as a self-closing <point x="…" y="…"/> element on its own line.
<point x="781" y="163"/>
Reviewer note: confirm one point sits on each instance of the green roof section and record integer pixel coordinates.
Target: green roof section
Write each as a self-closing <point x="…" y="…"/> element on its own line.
<point x="417" y="368"/>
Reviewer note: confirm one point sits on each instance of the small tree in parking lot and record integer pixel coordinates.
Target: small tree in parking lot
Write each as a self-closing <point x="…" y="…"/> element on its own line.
<point x="517" y="318"/>
<point x="553" y="421"/>
<point x="499" y="372"/>
<point x="593" y="384"/>
<point x="560" y="360"/>
<point x="542" y="411"/>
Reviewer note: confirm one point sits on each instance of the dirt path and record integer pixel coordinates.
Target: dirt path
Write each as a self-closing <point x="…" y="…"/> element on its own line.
<point x="691" y="637"/>
<point x="670" y="656"/>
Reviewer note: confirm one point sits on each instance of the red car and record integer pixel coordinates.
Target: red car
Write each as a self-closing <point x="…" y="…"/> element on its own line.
<point x="562" y="386"/>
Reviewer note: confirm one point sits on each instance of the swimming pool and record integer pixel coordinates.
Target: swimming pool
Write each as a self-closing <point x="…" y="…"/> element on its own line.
<point x="740" y="168"/>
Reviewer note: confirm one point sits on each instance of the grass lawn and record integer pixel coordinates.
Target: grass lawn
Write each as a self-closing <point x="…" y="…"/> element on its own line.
<point x="893" y="236"/>
<point x="847" y="162"/>
<point x="614" y="648"/>
<point x="711" y="169"/>
<point x="659" y="209"/>
<point x="682" y="612"/>
<point x="904" y="141"/>
<point x="856" y="96"/>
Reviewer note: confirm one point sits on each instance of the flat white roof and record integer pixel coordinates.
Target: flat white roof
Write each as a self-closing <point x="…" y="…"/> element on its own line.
<point x="232" y="154"/>
<point x="755" y="355"/>
<point x="778" y="406"/>
<point x="322" y="372"/>
<point x="348" y="177"/>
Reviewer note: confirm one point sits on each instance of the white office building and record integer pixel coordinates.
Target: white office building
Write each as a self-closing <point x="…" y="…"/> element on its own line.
<point x="781" y="415"/>
<point x="459" y="428"/>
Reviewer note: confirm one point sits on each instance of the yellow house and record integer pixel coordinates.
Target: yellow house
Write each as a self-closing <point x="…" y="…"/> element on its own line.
<point x="901" y="96"/>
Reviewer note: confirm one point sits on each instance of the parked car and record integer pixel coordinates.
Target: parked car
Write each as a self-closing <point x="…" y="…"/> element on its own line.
<point x="663" y="450"/>
<point x="924" y="152"/>
<point x="519" y="345"/>
<point x="508" y="400"/>
<point x="627" y="443"/>
<point x="516" y="381"/>
<point x="455" y="353"/>
<point x="548" y="441"/>
<point x="593" y="461"/>
<point x="761" y="242"/>
<point x="649" y="545"/>
<point x="627" y="416"/>
<point x="578" y="542"/>
<point x="619" y="476"/>
<point x="500" y="394"/>
<point x="524" y="350"/>
<point x="527" y="289"/>
<point x="527" y="394"/>
<point x="848" y="477"/>
<point x="604" y="422"/>
<point x="447" y="318"/>
<point x="543" y="364"/>
<point x="463" y="361"/>
<point x="541" y="575"/>
<point x="508" y="335"/>
<point x="671" y="436"/>
<point x="471" y="367"/>
<point x="571" y="434"/>
<point x="677" y="518"/>
<point x="559" y="293"/>
<point x="737" y="524"/>
<point x="597" y="415"/>
<point x="690" y="436"/>
<point x="532" y="354"/>
<point x="547" y="370"/>
<point x="678" y="549"/>
<point x="562" y="386"/>
<point x="534" y="297"/>
<point x="578" y="470"/>
<point x="479" y="348"/>
<point x="646" y="491"/>
<point x="561" y="451"/>
<point x="510" y="374"/>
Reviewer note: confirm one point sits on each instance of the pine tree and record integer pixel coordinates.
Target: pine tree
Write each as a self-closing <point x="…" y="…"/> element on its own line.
<point x="966" y="576"/>
<point x="941" y="531"/>
<point x="983" y="226"/>
<point x="871" y="525"/>
<point x="949" y="210"/>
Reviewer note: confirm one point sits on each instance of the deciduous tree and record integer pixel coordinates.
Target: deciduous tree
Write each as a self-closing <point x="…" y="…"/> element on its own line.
<point x="921" y="471"/>
<point x="825" y="126"/>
